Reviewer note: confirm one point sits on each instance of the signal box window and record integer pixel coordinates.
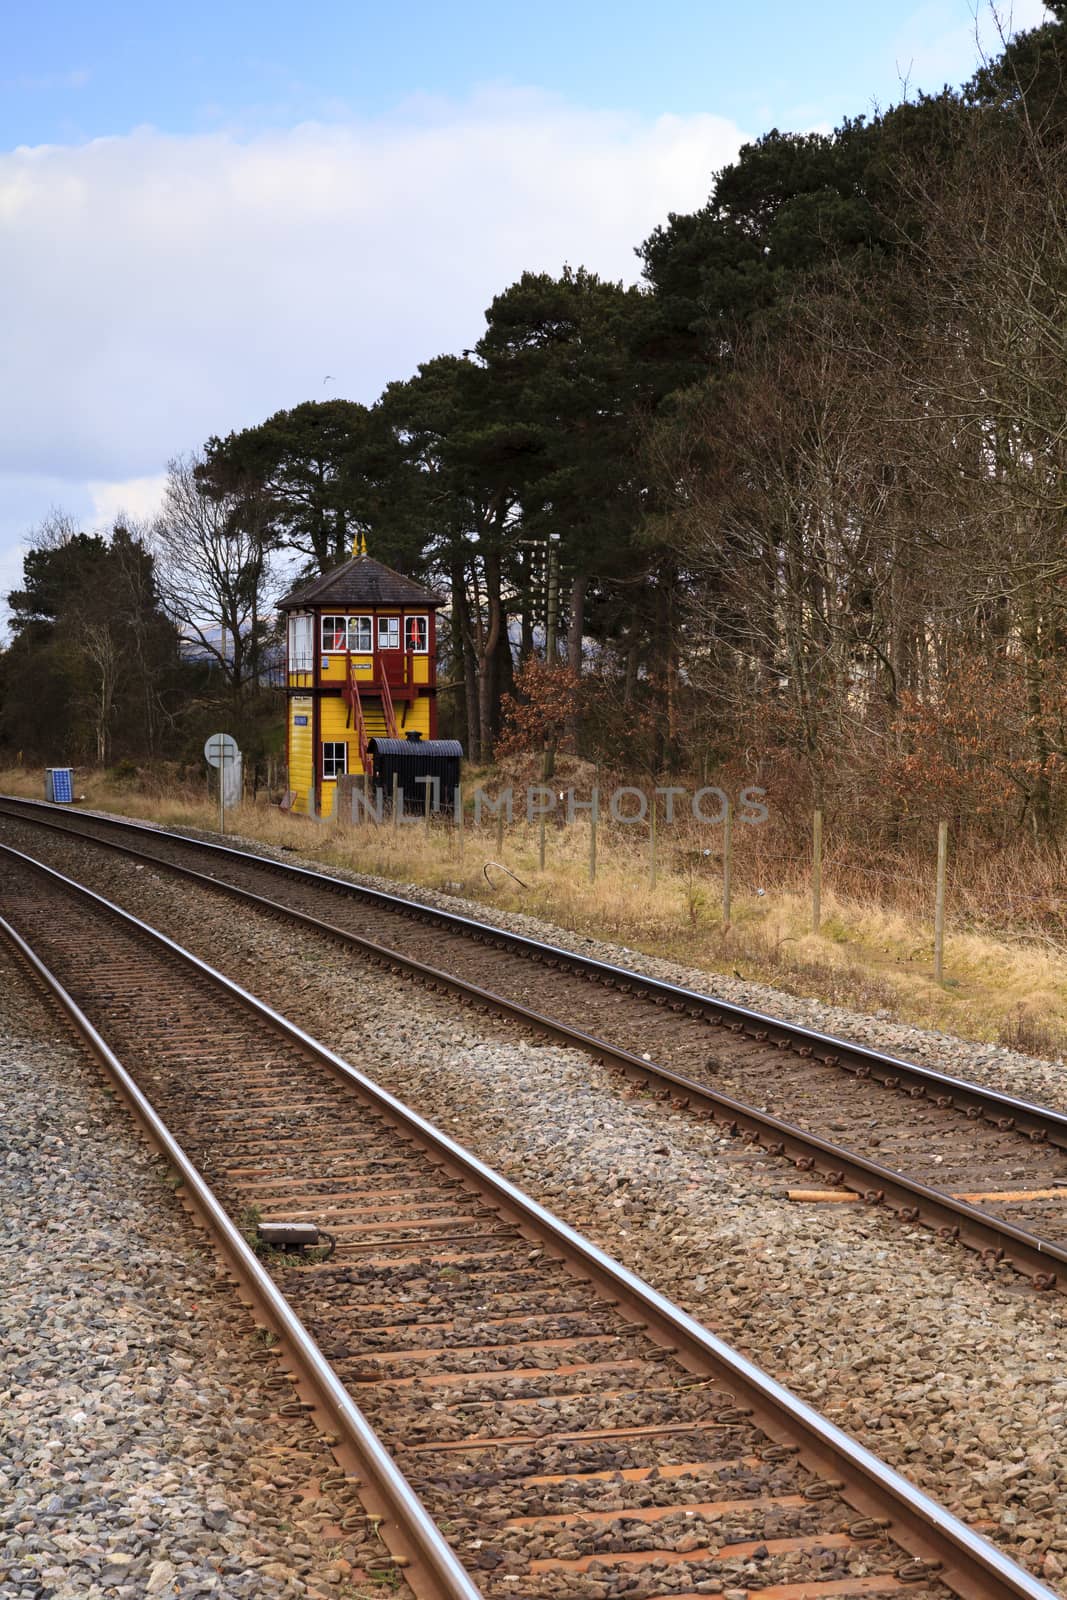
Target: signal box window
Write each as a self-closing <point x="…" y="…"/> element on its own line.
<point x="334" y="632"/>
<point x="334" y="760"/>
<point x="301" y="644"/>
<point x="417" y="634"/>
<point x="347" y="633"/>
<point x="388" y="633"/>
<point x="359" y="634"/>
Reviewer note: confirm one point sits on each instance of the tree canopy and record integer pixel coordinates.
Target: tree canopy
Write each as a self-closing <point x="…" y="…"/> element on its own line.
<point x="799" y="491"/>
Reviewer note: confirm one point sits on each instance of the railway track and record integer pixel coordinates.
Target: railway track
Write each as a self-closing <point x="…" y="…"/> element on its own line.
<point x="985" y="1168"/>
<point x="524" y="1416"/>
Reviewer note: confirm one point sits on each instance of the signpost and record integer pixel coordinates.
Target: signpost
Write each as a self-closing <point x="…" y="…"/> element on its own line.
<point x="221" y="752"/>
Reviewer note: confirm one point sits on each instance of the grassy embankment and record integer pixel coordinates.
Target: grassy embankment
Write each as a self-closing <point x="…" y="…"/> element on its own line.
<point x="1005" y="950"/>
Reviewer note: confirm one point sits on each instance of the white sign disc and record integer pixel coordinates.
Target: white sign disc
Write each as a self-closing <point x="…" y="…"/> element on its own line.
<point x="220" y="749"/>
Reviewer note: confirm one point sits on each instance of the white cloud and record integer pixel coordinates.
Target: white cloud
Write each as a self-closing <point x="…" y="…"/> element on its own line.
<point x="136" y="498"/>
<point x="167" y="287"/>
<point x="162" y="288"/>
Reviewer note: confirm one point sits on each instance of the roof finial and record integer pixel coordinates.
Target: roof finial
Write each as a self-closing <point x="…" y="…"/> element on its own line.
<point x="363" y="544"/>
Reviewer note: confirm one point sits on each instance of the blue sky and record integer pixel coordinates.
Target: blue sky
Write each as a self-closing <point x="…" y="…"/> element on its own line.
<point x="206" y="209"/>
<point x="74" y="71"/>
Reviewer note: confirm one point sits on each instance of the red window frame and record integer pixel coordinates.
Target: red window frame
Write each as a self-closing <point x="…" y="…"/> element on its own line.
<point x="421" y="627"/>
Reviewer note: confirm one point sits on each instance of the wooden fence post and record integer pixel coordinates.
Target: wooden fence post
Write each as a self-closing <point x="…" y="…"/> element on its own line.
<point x="396" y="811"/>
<point x="592" y="844"/>
<point x="939" y="902"/>
<point x="816" y="870"/>
<point x="500" y="828"/>
<point x="458" y="808"/>
<point x="727" y="864"/>
<point x="652" y="843"/>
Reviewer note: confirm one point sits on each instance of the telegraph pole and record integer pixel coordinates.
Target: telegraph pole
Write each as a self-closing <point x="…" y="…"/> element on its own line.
<point x="548" y="765"/>
<point x="552" y="606"/>
<point x="551" y="555"/>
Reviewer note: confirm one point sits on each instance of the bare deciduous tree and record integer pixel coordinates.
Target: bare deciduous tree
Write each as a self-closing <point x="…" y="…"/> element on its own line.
<point x="213" y="561"/>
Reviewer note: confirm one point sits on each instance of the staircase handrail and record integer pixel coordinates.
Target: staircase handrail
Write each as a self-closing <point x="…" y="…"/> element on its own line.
<point x="355" y="708"/>
<point x="387" y="707"/>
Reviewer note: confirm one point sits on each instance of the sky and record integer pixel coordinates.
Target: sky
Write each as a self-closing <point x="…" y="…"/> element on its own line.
<point x="212" y="211"/>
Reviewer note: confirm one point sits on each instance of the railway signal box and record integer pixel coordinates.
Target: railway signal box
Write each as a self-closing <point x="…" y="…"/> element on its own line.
<point x="360" y="664"/>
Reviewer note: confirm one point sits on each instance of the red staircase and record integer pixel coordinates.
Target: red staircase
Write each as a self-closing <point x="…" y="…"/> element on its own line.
<point x="356" y="717"/>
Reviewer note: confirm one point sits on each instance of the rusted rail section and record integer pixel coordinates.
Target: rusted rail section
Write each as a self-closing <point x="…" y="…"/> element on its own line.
<point x="890" y="1507"/>
<point x="425" y="1558"/>
<point x="1042" y="1259"/>
<point x="1042" y="1121"/>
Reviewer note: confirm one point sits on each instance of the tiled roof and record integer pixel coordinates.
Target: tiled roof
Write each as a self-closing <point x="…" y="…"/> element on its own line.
<point x="360" y="582"/>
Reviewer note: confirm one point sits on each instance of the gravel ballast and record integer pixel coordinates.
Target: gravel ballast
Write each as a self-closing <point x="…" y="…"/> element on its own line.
<point x="953" y="1373"/>
<point x="141" y="1450"/>
<point x="997" y="1066"/>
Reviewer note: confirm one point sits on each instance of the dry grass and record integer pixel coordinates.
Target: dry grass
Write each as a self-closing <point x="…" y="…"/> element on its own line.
<point x="1005" y="951"/>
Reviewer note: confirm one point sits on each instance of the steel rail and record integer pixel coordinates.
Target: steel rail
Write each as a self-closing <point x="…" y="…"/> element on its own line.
<point x="1043" y="1260"/>
<point x="428" y="1563"/>
<point x="968" y="1563"/>
<point x="1027" y="1115"/>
